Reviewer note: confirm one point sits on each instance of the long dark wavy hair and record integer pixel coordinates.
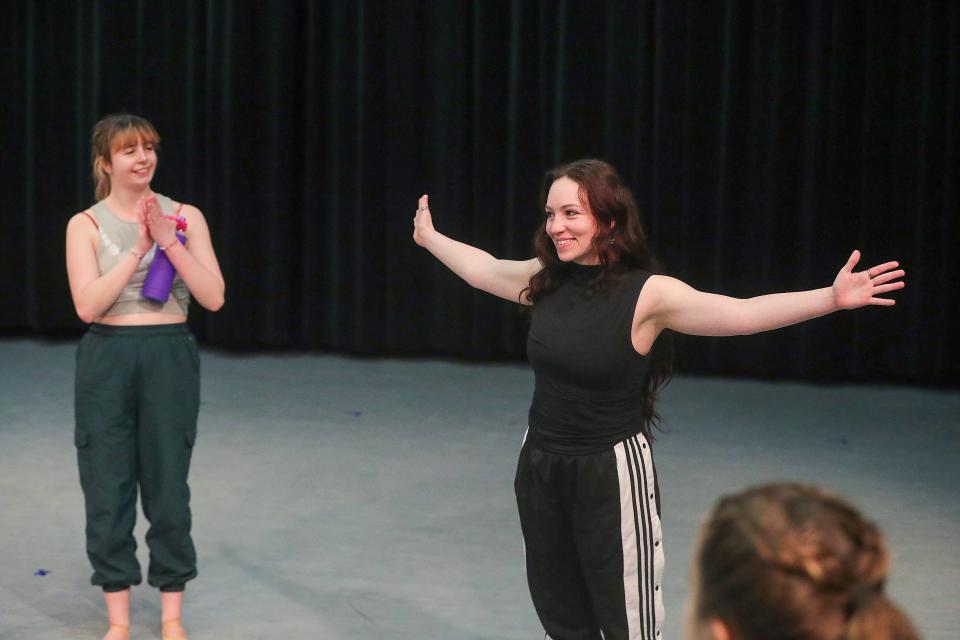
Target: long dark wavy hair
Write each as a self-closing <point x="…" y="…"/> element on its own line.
<point x="620" y="245"/>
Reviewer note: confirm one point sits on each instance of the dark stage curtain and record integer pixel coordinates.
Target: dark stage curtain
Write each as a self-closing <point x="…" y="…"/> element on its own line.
<point x="764" y="141"/>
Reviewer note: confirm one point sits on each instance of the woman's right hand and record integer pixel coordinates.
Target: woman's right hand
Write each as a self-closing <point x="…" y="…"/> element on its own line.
<point x="422" y="222"/>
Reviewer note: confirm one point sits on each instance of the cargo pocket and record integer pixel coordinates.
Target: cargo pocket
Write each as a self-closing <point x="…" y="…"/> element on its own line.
<point x="85" y="466"/>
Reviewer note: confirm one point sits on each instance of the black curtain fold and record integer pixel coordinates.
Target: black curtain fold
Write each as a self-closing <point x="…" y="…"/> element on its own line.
<point x="764" y="142"/>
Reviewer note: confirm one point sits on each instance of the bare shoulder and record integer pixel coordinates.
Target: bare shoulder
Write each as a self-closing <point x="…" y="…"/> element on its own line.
<point x="653" y="290"/>
<point x="83" y="224"/>
<point x="645" y="326"/>
<point x="193" y="215"/>
<point x="659" y="294"/>
<point x="659" y="288"/>
<point x="82" y="239"/>
<point x="87" y="215"/>
<point x="659" y="282"/>
<point x="189" y="211"/>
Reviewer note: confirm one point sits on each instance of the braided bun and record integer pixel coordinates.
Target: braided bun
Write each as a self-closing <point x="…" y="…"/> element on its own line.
<point x="792" y="562"/>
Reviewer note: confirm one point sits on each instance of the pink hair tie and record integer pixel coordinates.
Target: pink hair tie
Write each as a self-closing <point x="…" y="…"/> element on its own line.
<point x="180" y="220"/>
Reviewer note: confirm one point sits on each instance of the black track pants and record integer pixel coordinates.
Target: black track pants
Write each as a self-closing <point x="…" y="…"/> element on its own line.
<point x="594" y="550"/>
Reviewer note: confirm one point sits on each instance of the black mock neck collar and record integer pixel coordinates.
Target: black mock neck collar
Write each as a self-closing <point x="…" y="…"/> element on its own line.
<point x="583" y="272"/>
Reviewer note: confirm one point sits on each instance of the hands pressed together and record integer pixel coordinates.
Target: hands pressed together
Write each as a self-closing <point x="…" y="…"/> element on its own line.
<point x="852" y="290"/>
<point x="153" y="225"/>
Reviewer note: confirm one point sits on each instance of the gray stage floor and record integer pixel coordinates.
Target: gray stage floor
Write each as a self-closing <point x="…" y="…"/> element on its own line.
<point x="337" y="498"/>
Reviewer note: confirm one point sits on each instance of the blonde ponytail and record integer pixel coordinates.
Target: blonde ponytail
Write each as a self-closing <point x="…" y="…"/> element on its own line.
<point x="101" y="179"/>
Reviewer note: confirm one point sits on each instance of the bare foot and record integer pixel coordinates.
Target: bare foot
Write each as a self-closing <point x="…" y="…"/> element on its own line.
<point x="117" y="632"/>
<point x="173" y="630"/>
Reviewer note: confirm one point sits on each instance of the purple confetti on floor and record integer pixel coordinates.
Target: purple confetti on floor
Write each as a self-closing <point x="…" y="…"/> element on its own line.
<point x="41" y="572"/>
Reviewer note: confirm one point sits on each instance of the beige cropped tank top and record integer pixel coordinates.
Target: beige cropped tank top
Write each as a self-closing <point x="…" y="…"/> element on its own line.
<point x="117" y="237"/>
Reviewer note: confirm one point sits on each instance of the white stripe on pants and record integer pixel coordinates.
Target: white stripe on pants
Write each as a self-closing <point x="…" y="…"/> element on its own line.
<point x="641" y="534"/>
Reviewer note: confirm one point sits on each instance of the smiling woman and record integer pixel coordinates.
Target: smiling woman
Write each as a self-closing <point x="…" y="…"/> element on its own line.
<point x="586" y="484"/>
<point x="137" y="378"/>
<point x="570" y="226"/>
<point x="126" y="146"/>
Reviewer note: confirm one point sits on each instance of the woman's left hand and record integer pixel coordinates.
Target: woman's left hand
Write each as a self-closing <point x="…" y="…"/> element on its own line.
<point x="162" y="229"/>
<point x="852" y="290"/>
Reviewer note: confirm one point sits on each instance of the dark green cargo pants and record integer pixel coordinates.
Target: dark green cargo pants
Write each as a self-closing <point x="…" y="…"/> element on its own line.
<point x="137" y="397"/>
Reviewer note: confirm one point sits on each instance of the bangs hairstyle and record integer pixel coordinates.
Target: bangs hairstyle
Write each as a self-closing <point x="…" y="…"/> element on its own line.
<point x="116" y="132"/>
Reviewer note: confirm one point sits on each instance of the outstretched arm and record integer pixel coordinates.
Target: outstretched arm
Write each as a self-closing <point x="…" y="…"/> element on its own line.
<point x="503" y="278"/>
<point x="668" y="303"/>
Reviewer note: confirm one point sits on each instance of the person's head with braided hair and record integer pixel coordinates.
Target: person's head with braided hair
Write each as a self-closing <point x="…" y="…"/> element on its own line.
<point x="791" y="562"/>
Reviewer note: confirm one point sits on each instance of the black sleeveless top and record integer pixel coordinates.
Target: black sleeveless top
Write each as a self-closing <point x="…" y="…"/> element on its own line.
<point x="588" y="375"/>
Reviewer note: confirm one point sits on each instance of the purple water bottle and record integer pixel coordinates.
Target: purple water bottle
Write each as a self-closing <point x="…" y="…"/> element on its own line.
<point x="159" y="280"/>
